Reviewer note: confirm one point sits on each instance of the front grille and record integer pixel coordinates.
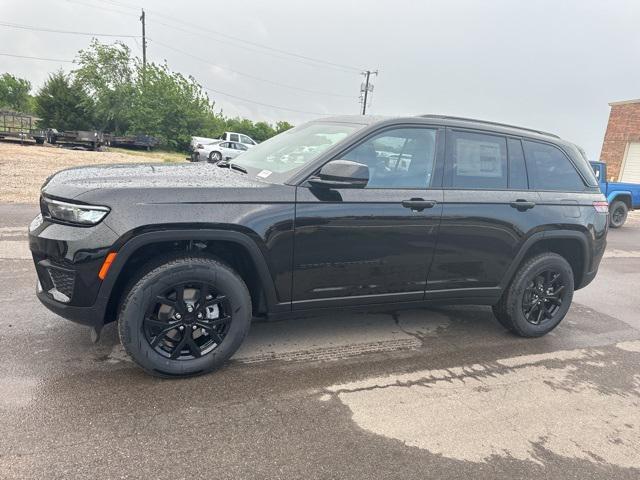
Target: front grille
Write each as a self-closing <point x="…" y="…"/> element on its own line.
<point x="63" y="280"/>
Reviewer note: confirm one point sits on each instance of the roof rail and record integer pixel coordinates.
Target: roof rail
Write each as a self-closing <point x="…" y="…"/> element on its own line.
<point x="486" y="122"/>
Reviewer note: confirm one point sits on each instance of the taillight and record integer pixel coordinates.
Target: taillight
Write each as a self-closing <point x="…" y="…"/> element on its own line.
<point x="601" y="207"/>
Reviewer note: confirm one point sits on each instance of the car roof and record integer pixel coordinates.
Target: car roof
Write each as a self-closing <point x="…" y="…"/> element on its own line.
<point x="450" y="121"/>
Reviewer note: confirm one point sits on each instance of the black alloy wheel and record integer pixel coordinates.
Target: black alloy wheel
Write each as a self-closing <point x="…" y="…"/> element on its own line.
<point x="187" y="321"/>
<point x="619" y="211"/>
<point x="543" y="297"/>
<point x="215" y="157"/>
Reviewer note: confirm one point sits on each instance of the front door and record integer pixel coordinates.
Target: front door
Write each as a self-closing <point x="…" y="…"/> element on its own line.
<point x="375" y="244"/>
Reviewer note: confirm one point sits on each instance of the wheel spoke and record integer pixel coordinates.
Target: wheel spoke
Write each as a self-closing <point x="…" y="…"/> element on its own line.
<point x="175" y="353"/>
<point x="203" y="292"/>
<point x="216" y="300"/>
<point x="193" y="346"/>
<point x="540" y="315"/>
<point x="210" y="324"/>
<point x="166" y="301"/>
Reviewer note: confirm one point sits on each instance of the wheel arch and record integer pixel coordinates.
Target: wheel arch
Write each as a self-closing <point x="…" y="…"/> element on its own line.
<point x="237" y="249"/>
<point x="572" y="245"/>
<point x="623" y="196"/>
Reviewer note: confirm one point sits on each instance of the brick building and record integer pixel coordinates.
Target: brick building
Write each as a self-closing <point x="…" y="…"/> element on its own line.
<point x="621" y="146"/>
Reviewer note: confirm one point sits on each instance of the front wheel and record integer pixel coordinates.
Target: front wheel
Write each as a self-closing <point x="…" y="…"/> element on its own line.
<point x="186" y="316"/>
<point x="619" y="211"/>
<point x="539" y="296"/>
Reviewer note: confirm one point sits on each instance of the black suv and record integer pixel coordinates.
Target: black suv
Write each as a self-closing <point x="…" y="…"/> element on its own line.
<point x="336" y="213"/>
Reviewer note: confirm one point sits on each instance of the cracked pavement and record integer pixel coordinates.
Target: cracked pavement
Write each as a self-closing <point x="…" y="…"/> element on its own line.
<point x="435" y="393"/>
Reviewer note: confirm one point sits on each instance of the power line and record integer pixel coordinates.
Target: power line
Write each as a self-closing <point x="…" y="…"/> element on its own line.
<point x="36" y="58"/>
<point x="264" y="104"/>
<point x="70" y="32"/>
<point x="248" y="75"/>
<point x="262" y="48"/>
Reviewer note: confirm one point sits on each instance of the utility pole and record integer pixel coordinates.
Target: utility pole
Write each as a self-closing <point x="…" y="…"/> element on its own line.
<point x="365" y="88"/>
<point x="144" y="41"/>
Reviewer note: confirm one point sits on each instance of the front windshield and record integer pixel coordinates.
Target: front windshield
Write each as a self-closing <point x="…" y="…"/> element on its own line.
<point x="289" y="151"/>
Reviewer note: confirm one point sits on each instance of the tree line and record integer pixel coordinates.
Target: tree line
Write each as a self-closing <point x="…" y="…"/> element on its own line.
<point x="112" y="91"/>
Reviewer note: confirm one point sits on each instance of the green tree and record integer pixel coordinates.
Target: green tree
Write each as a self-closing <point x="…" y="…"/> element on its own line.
<point x="283" y="127"/>
<point x="106" y="73"/>
<point x="170" y="106"/>
<point x="14" y="93"/>
<point x="63" y="104"/>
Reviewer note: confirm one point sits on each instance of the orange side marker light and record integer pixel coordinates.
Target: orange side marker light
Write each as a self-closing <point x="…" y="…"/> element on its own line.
<point x="102" y="274"/>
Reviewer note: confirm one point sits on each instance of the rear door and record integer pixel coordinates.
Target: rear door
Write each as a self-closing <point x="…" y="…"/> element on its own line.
<point x="374" y="244"/>
<point x="487" y="212"/>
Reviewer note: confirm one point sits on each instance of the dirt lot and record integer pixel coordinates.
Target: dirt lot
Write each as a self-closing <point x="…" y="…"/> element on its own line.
<point x="23" y="169"/>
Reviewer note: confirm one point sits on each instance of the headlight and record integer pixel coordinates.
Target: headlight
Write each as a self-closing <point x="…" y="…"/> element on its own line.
<point x="74" y="213"/>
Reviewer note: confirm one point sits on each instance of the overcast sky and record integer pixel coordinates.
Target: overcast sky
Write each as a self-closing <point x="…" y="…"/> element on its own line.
<point x="547" y="64"/>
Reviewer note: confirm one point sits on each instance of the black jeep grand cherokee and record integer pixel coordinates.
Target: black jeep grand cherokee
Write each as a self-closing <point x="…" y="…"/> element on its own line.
<point x="342" y="212"/>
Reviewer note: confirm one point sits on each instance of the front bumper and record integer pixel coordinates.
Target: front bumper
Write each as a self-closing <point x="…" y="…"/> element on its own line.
<point x="67" y="261"/>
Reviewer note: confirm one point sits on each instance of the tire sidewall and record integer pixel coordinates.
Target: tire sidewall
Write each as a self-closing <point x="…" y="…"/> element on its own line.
<point x="516" y="294"/>
<point x="158" y="281"/>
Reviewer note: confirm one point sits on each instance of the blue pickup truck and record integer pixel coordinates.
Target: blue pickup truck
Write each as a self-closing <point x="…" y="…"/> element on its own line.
<point x="622" y="197"/>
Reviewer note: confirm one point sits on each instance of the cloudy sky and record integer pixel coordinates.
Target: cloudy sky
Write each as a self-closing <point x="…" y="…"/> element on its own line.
<point x="548" y="64"/>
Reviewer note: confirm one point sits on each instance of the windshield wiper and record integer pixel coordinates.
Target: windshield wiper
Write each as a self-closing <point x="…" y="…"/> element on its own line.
<point x="226" y="164"/>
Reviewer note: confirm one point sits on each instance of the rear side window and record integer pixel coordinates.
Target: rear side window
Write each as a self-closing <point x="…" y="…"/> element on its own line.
<point x="517" y="169"/>
<point x="550" y="169"/>
<point x="234" y="137"/>
<point x="478" y="161"/>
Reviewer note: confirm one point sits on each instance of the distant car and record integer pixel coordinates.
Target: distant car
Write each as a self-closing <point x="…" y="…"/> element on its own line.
<point x="239" y="138"/>
<point x="220" y="150"/>
<point x="622" y="197"/>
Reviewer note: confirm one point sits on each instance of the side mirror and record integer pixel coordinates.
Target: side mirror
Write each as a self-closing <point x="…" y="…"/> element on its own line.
<point x="341" y="174"/>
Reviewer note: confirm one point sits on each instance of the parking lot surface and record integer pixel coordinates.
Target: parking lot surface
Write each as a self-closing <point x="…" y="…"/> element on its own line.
<point x="434" y="393"/>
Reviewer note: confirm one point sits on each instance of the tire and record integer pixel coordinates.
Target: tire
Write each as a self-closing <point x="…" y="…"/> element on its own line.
<point x="619" y="212"/>
<point x="142" y="311"/>
<point x="215" y="157"/>
<point x="520" y="297"/>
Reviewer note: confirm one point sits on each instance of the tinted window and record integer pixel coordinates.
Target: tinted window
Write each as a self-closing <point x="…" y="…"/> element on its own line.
<point x="242" y="147"/>
<point x="517" y="169"/>
<point x="245" y="139"/>
<point x="550" y="169"/>
<point x="478" y="160"/>
<point x="234" y="137"/>
<point x="399" y="158"/>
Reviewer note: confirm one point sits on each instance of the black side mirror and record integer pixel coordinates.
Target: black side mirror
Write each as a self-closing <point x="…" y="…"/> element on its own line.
<point x="341" y="174"/>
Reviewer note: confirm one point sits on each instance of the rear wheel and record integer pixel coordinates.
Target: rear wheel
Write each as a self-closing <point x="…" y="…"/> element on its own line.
<point x="539" y="296"/>
<point x="185" y="317"/>
<point x="215" y="157"/>
<point x="618" y="216"/>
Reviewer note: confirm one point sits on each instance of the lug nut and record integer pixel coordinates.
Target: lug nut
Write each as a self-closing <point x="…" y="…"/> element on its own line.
<point x="180" y="328"/>
<point x="189" y="309"/>
<point x="178" y="316"/>
<point x="194" y="327"/>
<point x="199" y="315"/>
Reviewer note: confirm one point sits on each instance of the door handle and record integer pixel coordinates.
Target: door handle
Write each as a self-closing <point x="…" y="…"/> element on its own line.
<point x="522" y="205"/>
<point x="418" y="204"/>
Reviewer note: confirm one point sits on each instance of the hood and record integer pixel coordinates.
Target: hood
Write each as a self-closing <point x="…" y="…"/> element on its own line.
<point x="157" y="183"/>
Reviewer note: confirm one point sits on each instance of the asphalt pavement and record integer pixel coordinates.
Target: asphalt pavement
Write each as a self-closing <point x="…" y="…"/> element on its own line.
<point x="434" y="393"/>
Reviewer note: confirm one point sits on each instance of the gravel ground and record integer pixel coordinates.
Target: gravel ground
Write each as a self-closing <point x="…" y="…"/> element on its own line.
<point x="23" y="169"/>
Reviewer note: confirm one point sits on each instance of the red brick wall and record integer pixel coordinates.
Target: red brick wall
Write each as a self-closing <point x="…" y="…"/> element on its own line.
<point x="623" y="127"/>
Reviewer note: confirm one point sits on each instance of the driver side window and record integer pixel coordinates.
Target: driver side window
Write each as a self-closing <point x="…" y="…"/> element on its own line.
<point x="398" y="158"/>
